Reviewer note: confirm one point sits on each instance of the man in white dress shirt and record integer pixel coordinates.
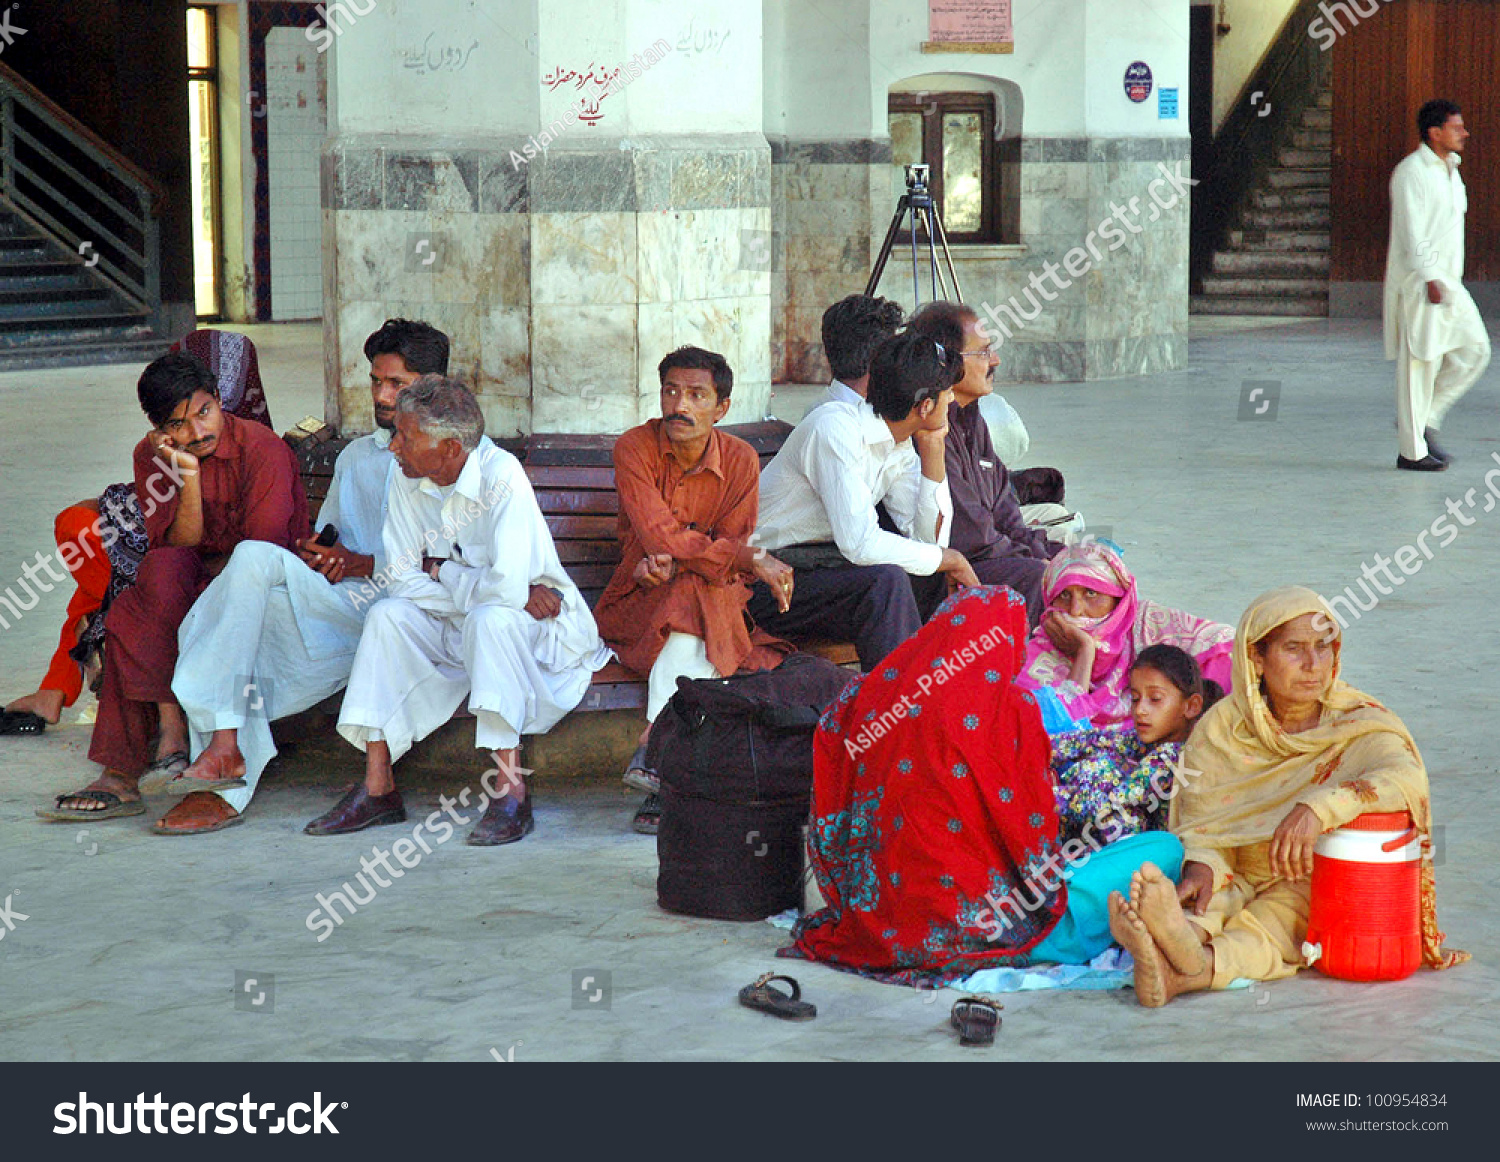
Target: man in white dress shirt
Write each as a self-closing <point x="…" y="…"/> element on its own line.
<point x="852" y="328"/>
<point x="1432" y="327"/>
<point x="477" y="605"/>
<point x="273" y="635"/>
<point x="855" y="580"/>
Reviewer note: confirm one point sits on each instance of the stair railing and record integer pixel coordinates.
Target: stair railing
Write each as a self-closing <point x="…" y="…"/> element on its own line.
<point x="1292" y="72"/>
<point x="76" y="187"/>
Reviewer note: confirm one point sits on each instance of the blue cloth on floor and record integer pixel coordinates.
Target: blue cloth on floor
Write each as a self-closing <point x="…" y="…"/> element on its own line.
<point x="1111" y="969"/>
<point x="1083" y="932"/>
<point x="1055" y="716"/>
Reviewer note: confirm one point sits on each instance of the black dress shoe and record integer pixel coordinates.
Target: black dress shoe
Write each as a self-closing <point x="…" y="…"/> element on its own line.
<point x="1428" y="463"/>
<point x="1430" y="437"/>
<point x="503" y="821"/>
<point x="358" y="810"/>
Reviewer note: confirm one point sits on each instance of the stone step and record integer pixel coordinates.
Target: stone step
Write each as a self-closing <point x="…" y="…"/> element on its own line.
<point x="1257" y="305"/>
<point x="1317" y="119"/>
<point x="1265" y="199"/>
<point x="83" y="348"/>
<point x="1312" y="139"/>
<point x="1276" y="264"/>
<point x="1310" y="177"/>
<point x="1215" y="284"/>
<point x="1286" y="218"/>
<point x="1306" y="158"/>
<point x="1278" y="239"/>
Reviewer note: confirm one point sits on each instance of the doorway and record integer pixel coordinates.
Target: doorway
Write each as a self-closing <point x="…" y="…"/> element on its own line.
<point x="203" y="129"/>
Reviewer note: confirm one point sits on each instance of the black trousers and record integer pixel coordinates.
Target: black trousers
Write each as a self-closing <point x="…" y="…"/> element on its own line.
<point x="877" y="607"/>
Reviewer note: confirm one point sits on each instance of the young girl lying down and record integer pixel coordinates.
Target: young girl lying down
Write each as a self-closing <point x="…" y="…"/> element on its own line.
<point x="1120" y="778"/>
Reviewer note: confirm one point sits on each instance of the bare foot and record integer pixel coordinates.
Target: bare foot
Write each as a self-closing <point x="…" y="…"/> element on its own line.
<point x="1153" y="897"/>
<point x="124" y="786"/>
<point x="221" y="760"/>
<point x="1156" y="982"/>
<point x="172" y="733"/>
<point x="47" y="704"/>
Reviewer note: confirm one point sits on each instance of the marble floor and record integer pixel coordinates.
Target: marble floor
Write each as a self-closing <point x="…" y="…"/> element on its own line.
<point x="140" y="947"/>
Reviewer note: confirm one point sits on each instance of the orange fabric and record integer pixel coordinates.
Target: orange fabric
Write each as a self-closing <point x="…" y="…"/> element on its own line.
<point x="77" y="527"/>
<point x="702" y="517"/>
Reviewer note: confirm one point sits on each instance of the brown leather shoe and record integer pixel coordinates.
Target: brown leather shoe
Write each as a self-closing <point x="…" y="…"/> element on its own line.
<point x="503" y="821"/>
<point x="197" y="814"/>
<point x="358" y="810"/>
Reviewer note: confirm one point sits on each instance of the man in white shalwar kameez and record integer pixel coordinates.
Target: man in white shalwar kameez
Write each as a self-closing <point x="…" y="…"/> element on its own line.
<point x="478" y="606"/>
<point x="276" y="632"/>
<point x="1432" y="327"/>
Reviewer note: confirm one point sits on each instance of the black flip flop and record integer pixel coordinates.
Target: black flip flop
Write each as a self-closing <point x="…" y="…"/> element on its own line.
<point x="21" y="722"/>
<point x="762" y="997"/>
<point x="976" y="1020"/>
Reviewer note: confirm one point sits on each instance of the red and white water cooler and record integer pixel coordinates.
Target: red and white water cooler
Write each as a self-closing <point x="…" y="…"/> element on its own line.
<point x="1365" y="921"/>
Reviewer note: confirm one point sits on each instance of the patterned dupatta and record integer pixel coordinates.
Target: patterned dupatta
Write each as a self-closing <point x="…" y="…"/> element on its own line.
<point x="1131" y="626"/>
<point x="232" y="359"/>
<point x="933" y="806"/>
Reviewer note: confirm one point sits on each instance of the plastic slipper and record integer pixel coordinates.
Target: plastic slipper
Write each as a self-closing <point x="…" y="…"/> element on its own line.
<point x="171" y="766"/>
<point x="21" y="722"/>
<point x="114" y="807"/>
<point x="762" y="997"/>
<point x="976" y="1020"/>
<point x="187" y="784"/>
<point x="640" y="776"/>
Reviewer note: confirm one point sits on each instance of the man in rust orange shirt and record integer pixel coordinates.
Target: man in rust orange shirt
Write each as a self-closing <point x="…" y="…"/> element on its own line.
<point x="206" y="481"/>
<point x="689" y="498"/>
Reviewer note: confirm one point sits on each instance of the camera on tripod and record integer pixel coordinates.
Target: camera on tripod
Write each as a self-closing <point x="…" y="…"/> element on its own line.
<point x="917" y="177"/>
<point x="926" y="226"/>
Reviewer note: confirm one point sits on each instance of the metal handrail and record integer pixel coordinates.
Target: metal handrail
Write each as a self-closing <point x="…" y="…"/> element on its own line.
<point x="75" y="187"/>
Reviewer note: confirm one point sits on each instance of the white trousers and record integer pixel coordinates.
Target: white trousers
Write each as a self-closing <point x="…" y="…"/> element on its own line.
<point x="269" y="637"/>
<point x="683" y="656"/>
<point x="414" y="668"/>
<point x="1427" y="388"/>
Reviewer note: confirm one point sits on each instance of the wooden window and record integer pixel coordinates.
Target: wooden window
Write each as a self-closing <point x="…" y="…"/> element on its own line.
<point x="954" y="134"/>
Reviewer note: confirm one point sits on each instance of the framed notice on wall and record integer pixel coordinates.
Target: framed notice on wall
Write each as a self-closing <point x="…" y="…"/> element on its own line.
<point x="969" y="26"/>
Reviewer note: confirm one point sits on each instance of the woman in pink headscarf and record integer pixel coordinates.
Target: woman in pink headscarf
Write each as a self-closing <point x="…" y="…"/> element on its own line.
<point x="1094" y="626"/>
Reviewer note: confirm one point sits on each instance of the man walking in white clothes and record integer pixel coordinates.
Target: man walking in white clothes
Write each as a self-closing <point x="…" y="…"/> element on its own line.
<point x="1432" y="327"/>
<point x="477" y="605"/>
<point x="273" y="635"/>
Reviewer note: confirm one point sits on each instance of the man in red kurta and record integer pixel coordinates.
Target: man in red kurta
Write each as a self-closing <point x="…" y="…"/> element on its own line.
<point x="689" y="497"/>
<point x="206" y="481"/>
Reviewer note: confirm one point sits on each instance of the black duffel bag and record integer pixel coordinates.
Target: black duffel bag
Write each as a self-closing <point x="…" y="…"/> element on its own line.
<point x="735" y="758"/>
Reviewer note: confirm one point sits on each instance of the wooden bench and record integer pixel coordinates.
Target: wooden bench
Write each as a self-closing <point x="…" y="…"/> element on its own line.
<point x="574" y="480"/>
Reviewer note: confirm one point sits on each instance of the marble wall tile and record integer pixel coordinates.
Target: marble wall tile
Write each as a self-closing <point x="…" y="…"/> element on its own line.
<point x="346" y="368"/>
<point x="566" y="181"/>
<point x="375" y="254"/>
<point x="354" y="177"/>
<point x="583" y="353"/>
<point x="655" y="338"/>
<point x="701" y="180"/>
<point x="431" y="181"/>
<point x="653" y="180"/>
<point x="657" y="260"/>
<point x="487" y="260"/>
<point x="504" y="187"/>
<point x="583" y="258"/>
<point x="504" y="366"/>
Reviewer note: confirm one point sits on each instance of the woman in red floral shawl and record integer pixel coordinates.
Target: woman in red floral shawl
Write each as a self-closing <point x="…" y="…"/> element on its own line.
<point x="932" y="803"/>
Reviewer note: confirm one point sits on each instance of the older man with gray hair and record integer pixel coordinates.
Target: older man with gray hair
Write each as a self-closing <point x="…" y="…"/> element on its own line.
<point x="477" y="603"/>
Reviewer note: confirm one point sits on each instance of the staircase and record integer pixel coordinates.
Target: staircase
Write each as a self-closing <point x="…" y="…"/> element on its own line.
<point x="80" y="272"/>
<point x="1275" y="261"/>
<point x="56" y="312"/>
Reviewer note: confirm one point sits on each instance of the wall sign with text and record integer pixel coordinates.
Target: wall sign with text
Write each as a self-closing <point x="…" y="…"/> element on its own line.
<point x="969" y="26"/>
<point x="1138" y="81"/>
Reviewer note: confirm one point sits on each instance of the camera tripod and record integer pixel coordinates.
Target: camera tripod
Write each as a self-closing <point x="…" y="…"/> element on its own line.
<point x="917" y="202"/>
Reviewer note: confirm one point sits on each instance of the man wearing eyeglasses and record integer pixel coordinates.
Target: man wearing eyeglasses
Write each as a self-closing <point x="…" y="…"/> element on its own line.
<point x="988" y="527"/>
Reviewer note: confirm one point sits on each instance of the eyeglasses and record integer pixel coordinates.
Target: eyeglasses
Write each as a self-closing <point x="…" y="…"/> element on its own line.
<point x="983" y="352"/>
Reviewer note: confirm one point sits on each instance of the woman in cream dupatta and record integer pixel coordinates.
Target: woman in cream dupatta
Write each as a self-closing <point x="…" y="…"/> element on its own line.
<point x="1292" y="752"/>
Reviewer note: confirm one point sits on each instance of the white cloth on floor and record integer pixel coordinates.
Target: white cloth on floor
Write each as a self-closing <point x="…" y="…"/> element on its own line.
<point x="270" y="636"/>
<point x="1008" y="433"/>
<point x="428" y="643"/>
<point x="682" y="656"/>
